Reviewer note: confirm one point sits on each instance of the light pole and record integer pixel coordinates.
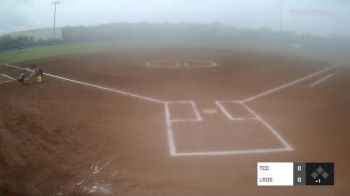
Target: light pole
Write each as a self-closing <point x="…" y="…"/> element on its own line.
<point x="281" y="9"/>
<point x="55" y="3"/>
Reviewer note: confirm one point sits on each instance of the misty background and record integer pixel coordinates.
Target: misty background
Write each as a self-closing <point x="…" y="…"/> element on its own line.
<point x="316" y="17"/>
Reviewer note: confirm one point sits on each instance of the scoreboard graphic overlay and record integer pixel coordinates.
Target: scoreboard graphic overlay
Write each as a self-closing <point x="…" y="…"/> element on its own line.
<point x="294" y="173"/>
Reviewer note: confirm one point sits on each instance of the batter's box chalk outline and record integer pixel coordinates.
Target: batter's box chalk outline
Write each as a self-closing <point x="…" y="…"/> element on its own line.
<point x="230" y="116"/>
<point x="168" y="121"/>
<point x="192" y="105"/>
<point x="172" y="143"/>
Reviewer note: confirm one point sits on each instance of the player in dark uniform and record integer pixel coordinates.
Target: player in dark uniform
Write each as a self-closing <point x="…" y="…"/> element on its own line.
<point x="23" y="77"/>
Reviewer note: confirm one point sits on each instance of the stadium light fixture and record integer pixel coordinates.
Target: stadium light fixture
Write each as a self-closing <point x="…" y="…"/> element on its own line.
<point x="55" y="3"/>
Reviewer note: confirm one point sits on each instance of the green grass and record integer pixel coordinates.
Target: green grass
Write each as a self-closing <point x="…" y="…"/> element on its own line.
<point x="32" y="54"/>
<point x="43" y="34"/>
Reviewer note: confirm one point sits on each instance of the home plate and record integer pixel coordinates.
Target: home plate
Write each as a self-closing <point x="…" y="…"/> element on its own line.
<point x="209" y="111"/>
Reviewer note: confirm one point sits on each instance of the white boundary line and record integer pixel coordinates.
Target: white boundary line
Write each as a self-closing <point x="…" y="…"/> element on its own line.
<point x="172" y="143"/>
<point x="170" y="136"/>
<point x="177" y="65"/>
<point x="169" y="129"/>
<point x="211" y="64"/>
<point x="108" y="89"/>
<point x="6" y="76"/>
<point x="8" y="81"/>
<point x="193" y="107"/>
<point x="235" y="152"/>
<point x="323" y="79"/>
<point x="290" y="83"/>
<point x="287" y="146"/>
<point x="227" y="113"/>
<point x="224" y="111"/>
<point x="169" y="122"/>
<point x="99" y="87"/>
<point x="270" y="128"/>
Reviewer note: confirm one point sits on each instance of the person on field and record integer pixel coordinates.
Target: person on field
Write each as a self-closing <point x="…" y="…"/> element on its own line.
<point x="23" y="77"/>
<point x="38" y="74"/>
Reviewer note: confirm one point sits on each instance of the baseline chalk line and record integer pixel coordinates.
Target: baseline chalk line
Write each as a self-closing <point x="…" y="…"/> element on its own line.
<point x="8" y="81"/>
<point x="99" y="87"/>
<point x="6" y="76"/>
<point x="291" y="83"/>
<point x="232" y="152"/>
<point x="323" y="79"/>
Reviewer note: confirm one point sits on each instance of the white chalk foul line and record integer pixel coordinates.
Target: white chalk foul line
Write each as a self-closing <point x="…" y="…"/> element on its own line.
<point x="108" y="89"/>
<point x="291" y="83"/>
<point x="323" y="79"/>
<point x="233" y="152"/>
<point x="170" y="135"/>
<point x="9" y="77"/>
<point x="99" y="87"/>
<point x="8" y="81"/>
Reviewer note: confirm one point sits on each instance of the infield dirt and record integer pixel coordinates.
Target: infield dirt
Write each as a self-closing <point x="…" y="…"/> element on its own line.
<point x="61" y="138"/>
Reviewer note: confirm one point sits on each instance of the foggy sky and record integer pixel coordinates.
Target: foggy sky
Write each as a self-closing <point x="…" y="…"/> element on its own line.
<point x="319" y="17"/>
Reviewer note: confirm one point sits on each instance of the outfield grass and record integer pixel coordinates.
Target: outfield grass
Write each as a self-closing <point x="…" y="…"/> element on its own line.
<point x="32" y="54"/>
<point x="44" y="34"/>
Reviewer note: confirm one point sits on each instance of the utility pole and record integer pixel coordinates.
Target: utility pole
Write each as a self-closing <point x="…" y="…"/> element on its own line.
<point x="281" y="3"/>
<point x="55" y="3"/>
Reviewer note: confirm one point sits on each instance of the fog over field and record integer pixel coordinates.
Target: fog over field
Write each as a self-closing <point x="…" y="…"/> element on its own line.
<point x="318" y="17"/>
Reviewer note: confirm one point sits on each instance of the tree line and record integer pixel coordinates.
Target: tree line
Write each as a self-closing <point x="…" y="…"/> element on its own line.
<point x="180" y="31"/>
